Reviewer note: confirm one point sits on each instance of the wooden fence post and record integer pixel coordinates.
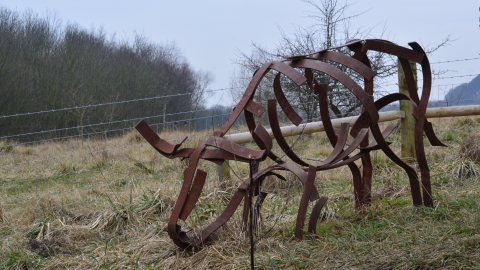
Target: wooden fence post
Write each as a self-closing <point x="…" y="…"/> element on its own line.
<point x="407" y="124"/>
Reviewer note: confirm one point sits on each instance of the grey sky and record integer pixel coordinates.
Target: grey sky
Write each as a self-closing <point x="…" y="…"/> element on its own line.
<point x="209" y="33"/>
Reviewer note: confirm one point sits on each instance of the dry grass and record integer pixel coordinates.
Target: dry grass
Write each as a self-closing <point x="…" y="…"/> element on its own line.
<point x="105" y="204"/>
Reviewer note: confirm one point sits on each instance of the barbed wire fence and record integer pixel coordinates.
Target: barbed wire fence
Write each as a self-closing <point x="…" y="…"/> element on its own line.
<point x="80" y="165"/>
<point x="65" y="163"/>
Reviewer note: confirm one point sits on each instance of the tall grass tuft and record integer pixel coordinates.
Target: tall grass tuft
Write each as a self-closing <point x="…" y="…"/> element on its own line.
<point x="106" y="204"/>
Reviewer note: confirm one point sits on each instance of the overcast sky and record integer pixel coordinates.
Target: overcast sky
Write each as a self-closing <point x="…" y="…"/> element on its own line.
<point x="210" y="33"/>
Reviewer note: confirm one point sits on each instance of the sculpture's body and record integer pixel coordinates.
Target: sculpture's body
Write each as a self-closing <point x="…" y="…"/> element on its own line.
<point x="194" y="178"/>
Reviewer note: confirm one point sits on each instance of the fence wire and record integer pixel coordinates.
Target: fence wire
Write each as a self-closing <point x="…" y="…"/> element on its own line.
<point x="106" y="157"/>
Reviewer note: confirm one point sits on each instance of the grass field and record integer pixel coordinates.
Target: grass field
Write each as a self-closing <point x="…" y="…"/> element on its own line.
<point x="104" y="204"/>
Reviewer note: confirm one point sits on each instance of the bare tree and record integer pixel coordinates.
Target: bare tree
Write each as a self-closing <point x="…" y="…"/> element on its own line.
<point x="332" y="28"/>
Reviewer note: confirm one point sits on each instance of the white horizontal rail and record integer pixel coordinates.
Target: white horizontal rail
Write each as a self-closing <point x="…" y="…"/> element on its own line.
<point x="453" y="111"/>
<point x="313" y="127"/>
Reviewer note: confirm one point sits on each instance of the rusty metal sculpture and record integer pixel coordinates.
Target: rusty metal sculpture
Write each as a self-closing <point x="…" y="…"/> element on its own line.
<point x="300" y="69"/>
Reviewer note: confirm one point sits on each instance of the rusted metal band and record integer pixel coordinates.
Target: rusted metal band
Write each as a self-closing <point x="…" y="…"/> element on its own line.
<point x="162" y="146"/>
<point x="342" y="139"/>
<point x="347" y="61"/>
<point x="221" y="220"/>
<point x="255" y="108"/>
<point x="340" y="76"/>
<point x="172" y="226"/>
<point x="302" y="209"/>
<point x="393" y="49"/>
<point x="301" y="175"/>
<point x="419" y="127"/>
<point x="409" y="78"/>
<point x="331" y="134"/>
<point x="236" y="149"/>
<point x="284" y="104"/>
<point x="362" y="121"/>
<point x="262" y="138"/>
<point x="412" y="175"/>
<point x="294" y="75"/>
<point x="220" y="154"/>
<point x="353" y="145"/>
<point x="432" y="137"/>
<point x="247" y="96"/>
<point x="363" y="196"/>
<point x="251" y="127"/>
<point x="194" y="194"/>
<point x="275" y="126"/>
<point x="317" y="209"/>
<point x="322" y="90"/>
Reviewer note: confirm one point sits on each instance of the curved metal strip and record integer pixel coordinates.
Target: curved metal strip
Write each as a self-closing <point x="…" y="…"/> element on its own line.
<point x="347" y="61"/>
<point x="220" y="154"/>
<point x="284" y="104"/>
<point x="342" y="140"/>
<point x="419" y="127"/>
<point x="356" y="142"/>
<point x="322" y="90"/>
<point x="251" y="127"/>
<point x="385" y="133"/>
<point x="349" y="83"/>
<point x="410" y="79"/>
<point x="427" y="79"/>
<point x="162" y="146"/>
<point x="393" y="49"/>
<point x="250" y="121"/>
<point x="301" y="175"/>
<point x="264" y="137"/>
<point x="362" y="121"/>
<point x="302" y="209"/>
<point x="255" y="108"/>
<point x="275" y="126"/>
<point x="221" y="220"/>
<point x="217" y="156"/>
<point x="331" y="134"/>
<point x="432" y="137"/>
<point x="194" y="194"/>
<point x="247" y="96"/>
<point x="173" y="228"/>
<point x="279" y="176"/>
<point x="236" y="149"/>
<point x="412" y="175"/>
<point x="317" y="209"/>
<point x="290" y="72"/>
<point x="367" y="167"/>
<point x="354" y="43"/>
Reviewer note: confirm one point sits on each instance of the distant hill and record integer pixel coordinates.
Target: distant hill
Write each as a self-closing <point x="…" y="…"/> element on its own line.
<point x="464" y="94"/>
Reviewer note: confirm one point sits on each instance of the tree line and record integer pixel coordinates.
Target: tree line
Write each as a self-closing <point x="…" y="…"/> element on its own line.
<point x="45" y="66"/>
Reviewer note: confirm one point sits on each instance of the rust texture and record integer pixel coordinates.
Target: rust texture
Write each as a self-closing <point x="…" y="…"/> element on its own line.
<point x="299" y="69"/>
